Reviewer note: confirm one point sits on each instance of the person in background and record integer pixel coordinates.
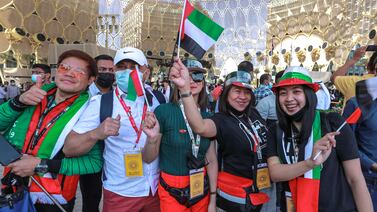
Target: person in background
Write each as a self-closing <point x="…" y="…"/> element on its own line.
<point x="149" y="89"/>
<point x="105" y="79"/>
<point x="129" y="184"/>
<point x="246" y="66"/>
<point x="91" y="184"/>
<point x="12" y="90"/>
<point x="366" y="133"/>
<point x="36" y="123"/>
<point x="323" y="97"/>
<point x="346" y="84"/>
<point x="301" y="154"/>
<point x="3" y="94"/>
<point x="43" y="70"/>
<point x="169" y="138"/>
<point x="166" y="89"/>
<point x="264" y="88"/>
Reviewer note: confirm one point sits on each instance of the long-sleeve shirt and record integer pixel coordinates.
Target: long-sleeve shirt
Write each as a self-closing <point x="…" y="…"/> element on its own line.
<point x="365" y="133"/>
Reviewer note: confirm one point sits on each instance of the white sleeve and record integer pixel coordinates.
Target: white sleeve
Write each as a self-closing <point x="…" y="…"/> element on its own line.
<point x="89" y="119"/>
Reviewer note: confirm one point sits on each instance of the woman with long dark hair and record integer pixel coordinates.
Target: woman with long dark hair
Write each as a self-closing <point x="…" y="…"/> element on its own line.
<point x="241" y="136"/>
<point x="186" y="159"/>
<point x="318" y="172"/>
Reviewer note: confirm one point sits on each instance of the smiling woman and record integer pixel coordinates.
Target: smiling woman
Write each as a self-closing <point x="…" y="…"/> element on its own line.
<point x="303" y="132"/>
<point x="241" y="135"/>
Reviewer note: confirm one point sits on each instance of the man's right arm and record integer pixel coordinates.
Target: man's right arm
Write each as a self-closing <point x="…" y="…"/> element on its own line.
<point x="342" y="71"/>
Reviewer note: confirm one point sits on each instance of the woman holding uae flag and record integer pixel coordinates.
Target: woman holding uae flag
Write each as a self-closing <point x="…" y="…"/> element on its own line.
<point x="319" y="167"/>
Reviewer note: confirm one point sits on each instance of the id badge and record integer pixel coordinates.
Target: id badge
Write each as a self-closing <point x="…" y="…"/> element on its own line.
<point x="263" y="176"/>
<point x="133" y="163"/>
<point x="196" y="182"/>
<point x="289" y="202"/>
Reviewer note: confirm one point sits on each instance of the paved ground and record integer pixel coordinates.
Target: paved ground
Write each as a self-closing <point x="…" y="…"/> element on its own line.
<point x="78" y="203"/>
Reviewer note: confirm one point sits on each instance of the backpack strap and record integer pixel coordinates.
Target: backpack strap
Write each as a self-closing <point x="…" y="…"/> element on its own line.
<point x="106" y="107"/>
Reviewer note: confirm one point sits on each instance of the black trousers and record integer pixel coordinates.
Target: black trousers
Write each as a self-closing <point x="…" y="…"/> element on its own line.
<point x="91" y="190"/>
<point x="53" y="208"/>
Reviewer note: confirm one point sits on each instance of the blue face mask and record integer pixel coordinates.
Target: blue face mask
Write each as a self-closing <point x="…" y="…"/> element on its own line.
<point x="122" y="78"/>
<point x="270" y="85"/>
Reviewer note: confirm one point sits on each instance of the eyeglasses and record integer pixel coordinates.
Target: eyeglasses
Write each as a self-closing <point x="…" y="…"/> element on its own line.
<point x="33" y="71"/>
<point x="103" y="69"/>
<point x="197" y="76"/>
<point x="65" y="68"/>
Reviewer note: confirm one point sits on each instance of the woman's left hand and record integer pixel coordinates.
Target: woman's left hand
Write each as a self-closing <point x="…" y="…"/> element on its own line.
<point x="151" y="126"/>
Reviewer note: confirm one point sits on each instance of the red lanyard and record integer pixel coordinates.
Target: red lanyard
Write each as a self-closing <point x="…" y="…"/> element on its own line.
<point x="129" y="114"/>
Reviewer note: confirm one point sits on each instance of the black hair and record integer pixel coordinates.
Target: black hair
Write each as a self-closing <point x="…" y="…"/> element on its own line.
<point x="103" y="57"/>
<point x="263" y="78"/>
<point x="246" y="66"/>
<point x="372" y="63"/>
<point x="46" y="69"/>
<point x="91" y="63"/>
<point x="307" y="120"/>
<point x="278" y="76"/>
<point x="225" y="107"/>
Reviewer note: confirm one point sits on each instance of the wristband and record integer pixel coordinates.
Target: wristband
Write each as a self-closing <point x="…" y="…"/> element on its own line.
<point x="16" y="105"/>
<point x="184" y="95"/>
<point x="213" y="192"/>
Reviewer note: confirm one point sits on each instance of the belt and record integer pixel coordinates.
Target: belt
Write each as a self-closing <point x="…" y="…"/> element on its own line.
<point x="371" y="181"/>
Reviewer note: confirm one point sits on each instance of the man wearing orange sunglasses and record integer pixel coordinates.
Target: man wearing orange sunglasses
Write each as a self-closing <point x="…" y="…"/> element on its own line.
<point x="37" y="122"/>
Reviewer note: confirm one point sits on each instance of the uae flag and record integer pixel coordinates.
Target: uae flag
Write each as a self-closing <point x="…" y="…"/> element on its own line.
<point x="135" y="87"/>
<point x="366" y="93"/>
<point x="198" y="32"/>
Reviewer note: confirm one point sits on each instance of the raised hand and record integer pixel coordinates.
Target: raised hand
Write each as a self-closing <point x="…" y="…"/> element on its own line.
<point x="109" y="127"/>
<point x="325" y="145"/>
<point x="34" y="95"/>
<point x="151" y="126"/>
<point x="179" y="75"/>
<point x="359" y="53"/>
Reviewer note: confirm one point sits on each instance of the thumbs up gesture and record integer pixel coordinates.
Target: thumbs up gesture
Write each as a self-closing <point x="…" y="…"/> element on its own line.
<point x="109" y="127"/>
<point x="35" y="94"/>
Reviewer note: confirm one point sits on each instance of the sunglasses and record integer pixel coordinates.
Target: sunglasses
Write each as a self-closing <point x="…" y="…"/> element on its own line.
<point x="197" y="76"/>
<point x="65" y="68"/>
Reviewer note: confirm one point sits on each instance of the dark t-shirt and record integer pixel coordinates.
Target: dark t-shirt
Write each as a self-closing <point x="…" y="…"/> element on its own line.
<point x="335" y="193"/>
<point x="235" y="146"/>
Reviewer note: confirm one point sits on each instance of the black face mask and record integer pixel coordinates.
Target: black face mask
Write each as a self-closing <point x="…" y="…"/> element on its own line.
<point x="105" y="80"/>
<point x="299" y="115"/>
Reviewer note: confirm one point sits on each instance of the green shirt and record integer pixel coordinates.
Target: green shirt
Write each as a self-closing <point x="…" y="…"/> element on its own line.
<point x="15" y="126"/>
<point x="175" y="141"/>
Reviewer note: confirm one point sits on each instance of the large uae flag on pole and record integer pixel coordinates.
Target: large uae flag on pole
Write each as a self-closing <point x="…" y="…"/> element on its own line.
<point x="198" y="32"/>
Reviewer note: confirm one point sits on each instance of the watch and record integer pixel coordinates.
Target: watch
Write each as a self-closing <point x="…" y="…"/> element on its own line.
<point x="42" y="167"/>
<point x="184" y="95"/>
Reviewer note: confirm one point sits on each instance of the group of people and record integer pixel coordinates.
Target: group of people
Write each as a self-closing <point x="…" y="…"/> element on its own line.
<point x="143" y="154"/>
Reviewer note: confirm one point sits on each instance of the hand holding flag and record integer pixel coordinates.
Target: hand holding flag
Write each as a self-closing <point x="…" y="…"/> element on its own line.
<point x="352" y="119"/>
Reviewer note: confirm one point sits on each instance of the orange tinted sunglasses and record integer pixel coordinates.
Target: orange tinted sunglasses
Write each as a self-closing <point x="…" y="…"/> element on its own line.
<point x="65" y="68"/>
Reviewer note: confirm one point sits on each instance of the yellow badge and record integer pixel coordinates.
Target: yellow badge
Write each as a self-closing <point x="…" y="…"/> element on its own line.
<point x="133" y="164"/>
<point x="290" y="205"/>
<point x="263" y="178"/>
<point x="196" y="182"/>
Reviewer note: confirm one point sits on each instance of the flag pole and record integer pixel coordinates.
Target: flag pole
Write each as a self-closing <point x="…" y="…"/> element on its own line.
<point x="341" y="126"/>
<point x="48" y="194"/>
<point x="351" y="119"/>
<point x="142" y="87"/>
<point x="180" y="27"/>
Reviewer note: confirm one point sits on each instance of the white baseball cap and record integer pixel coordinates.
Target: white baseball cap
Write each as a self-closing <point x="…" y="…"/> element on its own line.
<point x="130" y="53"/>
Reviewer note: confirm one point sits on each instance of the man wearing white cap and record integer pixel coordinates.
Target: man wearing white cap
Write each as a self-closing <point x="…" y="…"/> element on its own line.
<point x="128" y="183"/>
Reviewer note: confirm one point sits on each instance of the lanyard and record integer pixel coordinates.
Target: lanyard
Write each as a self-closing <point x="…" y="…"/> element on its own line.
<point x="195" y="143"/>
<point x="129" y="114"/>
<point x="38" y="133"/>
<point x="254" y="136"/>
<point x="286" y="150"/>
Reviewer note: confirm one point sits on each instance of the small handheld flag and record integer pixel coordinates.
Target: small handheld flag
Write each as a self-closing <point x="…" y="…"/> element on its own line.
<point x="197" y="32"/>
<point x="135" y="87"/>
<point x="352" y="119"/>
